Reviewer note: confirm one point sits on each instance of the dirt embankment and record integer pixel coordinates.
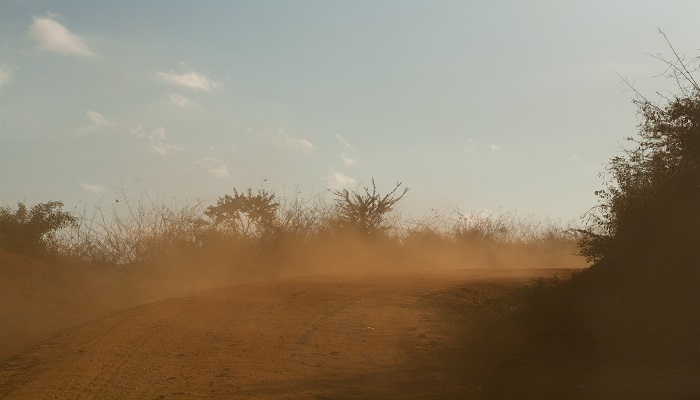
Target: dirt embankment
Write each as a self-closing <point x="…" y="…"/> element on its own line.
<point x="328" y="336"/>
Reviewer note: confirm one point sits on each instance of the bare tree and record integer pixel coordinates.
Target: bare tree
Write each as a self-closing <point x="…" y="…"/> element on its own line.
<point x="367" y="212"/>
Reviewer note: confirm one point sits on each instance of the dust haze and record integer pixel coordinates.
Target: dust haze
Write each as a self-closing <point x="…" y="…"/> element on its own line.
<point x="40" y="298"/>
<point x="298" y="299"/>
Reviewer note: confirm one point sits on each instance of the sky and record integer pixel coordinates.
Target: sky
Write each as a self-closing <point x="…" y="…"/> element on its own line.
<point x="474" y="105"/>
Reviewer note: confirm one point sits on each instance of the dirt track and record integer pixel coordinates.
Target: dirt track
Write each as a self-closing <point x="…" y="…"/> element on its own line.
<point x="333" y="336"/>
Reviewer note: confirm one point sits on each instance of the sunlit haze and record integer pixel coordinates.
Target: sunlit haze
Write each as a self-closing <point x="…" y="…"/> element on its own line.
<point x="511" y="105"/>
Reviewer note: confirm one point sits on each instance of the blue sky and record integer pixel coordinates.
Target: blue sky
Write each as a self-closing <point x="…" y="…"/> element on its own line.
<point x="512" y="105"/>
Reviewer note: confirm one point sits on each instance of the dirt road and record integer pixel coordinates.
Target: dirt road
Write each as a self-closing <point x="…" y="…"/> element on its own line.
<point x="333" y="336"/>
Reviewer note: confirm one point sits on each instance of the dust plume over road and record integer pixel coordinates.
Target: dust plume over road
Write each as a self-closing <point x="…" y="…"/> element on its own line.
<point x="326" y="336"/>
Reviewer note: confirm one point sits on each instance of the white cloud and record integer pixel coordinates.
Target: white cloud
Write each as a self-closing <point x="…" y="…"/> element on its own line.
<point x="5" y="75"/>
<point x="138" y="131"/>
<point x="343" y="141"/>
<point x="299" y="144"/>
<point x="159" y="143"/>
<point x="162" y="149"/>
<point x="220" y="171"/>
<point x="159" y="149"/>
<point x="49" y="35"/>
<point x="179" y="100"/>
<point x="215" y="166"/>
<point x="92" y="188"/>
<point x="98" y="120"/>
<point x="158" y="134"/>
<point x="494" y="147"/>
<point x="158" y="140"/>
<point x="347" y="160"/>
<point x="339" y="180"/>
<point x="188" y="79"/>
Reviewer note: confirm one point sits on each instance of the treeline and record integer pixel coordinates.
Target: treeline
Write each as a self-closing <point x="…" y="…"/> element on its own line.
<point x="355" y="229"/>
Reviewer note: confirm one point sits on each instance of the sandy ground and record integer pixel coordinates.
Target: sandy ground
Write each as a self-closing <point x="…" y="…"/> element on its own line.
<point x="318" y="337"/>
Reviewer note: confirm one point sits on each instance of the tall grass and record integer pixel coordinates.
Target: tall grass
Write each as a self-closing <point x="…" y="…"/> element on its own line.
<point x="492" y="239"/>
<point x="134" y="232"/>
<point x="306" y="235"/>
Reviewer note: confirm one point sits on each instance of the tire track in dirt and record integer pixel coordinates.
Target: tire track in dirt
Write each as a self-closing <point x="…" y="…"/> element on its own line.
<point x="314" y="337"/>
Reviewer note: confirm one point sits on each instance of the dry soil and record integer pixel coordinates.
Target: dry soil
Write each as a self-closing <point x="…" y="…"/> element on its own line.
<point x="341" y="336"/>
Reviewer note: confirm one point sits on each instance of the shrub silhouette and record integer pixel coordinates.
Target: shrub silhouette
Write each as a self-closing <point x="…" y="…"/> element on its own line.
<point x="32" y="231"/>
<point x="366" y="213"/>
<point x="245" y="215"/>
<point x="626" y="326"/>
<point x="649" y="213"/>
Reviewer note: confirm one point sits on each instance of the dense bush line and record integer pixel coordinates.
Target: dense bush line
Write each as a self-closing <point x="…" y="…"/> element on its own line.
<point x="33" y="230"/>
<point x="255" y="229"/>
<point x="627" y="327"/>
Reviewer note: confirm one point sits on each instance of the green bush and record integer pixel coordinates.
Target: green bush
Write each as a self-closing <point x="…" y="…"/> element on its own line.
<point x="245" y="215"/>
<point x="635" y="312"/>
<point x="650" y="213"/>
<point x="33" y="231"/>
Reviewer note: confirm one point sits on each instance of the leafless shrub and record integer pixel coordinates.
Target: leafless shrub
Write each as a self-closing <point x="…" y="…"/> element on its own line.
<point x="129" y="232"/>
<point x="367" y="213"/>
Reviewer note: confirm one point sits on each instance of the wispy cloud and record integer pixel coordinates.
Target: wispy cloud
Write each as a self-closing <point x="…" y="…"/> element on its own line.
<point x="469" y="146"/>
<point x="347" y="160"/>
<point x="159" y="149"/>
<point x="179" y="100"/>
<point x="159" y="142"/>
<point x="338" y="180"/>
<point x="138" y="131"/>
<point x="494" y="147"/>
<point x="98" y="120"/>
<point x="5" y="75"/>
<point x="220" y="171"/>
<point x="158" y="134"/>
<point x="49" y="35"/>
<point x="162" y="149"/>
<point x="343" y="141"/>
<point x="214" y="166"/>
<point x="293" y="144"/>
<point x="187" y="79"/>
<point x="92" y="188"/>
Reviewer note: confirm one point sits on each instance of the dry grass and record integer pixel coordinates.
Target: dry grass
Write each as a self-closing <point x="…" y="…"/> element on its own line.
<point x="134" y="232"/>
<point x="306" y="237"/>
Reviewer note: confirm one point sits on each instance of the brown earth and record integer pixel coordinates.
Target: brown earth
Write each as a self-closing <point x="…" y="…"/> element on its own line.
<point x="39" y="299"/>
<point x="340" y="336"/>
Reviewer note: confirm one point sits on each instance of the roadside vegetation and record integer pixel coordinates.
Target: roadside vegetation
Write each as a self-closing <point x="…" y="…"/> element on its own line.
<point x="628" y="326"/>
<point x="256" y="232"/>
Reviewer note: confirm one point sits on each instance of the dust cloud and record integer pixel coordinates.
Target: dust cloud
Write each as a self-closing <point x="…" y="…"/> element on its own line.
<point x="281" y="297"/>
<point x="316" y="330"/>
<point x="41" y="298"/>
